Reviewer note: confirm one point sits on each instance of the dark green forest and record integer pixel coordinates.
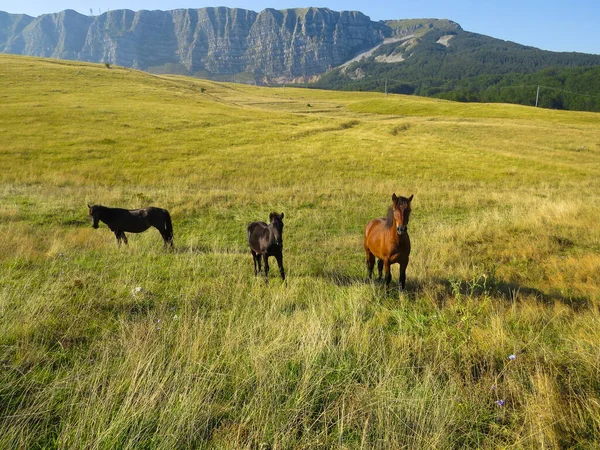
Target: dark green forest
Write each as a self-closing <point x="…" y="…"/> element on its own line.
<point x="476" y="68"/>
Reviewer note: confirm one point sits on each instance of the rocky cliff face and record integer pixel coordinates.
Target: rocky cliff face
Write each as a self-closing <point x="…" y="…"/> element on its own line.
<point x="271" y="44"/>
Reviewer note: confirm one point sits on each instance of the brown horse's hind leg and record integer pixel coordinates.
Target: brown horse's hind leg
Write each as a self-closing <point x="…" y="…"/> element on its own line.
<point x="388" y="273"/>
<point x="370" y="263"/>
<point x="380" y="268"/>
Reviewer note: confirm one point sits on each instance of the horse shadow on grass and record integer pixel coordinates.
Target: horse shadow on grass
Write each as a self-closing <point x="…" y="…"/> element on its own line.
<point x="442" y="289"/>
<point x="511" y="292"/>
<point x="341" y="279"/>
<point x="202" y="249"/>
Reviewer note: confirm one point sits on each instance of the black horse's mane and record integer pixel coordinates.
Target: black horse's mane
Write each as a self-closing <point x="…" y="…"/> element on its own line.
<point x="106" y="212"/>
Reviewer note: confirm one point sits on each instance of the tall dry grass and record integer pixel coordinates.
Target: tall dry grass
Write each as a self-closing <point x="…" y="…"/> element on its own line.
<point x="135" y="347"/>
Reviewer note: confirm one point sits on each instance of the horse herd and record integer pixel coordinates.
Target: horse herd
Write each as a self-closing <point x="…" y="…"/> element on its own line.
<point x="386" y="239"/>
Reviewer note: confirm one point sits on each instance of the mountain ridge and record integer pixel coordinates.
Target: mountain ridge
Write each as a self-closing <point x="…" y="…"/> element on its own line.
<point x="207" y="41"/>
<point x="314" y="46"/>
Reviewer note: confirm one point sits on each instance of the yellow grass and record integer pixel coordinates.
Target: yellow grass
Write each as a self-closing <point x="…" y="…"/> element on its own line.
<point x="506" y="261"/>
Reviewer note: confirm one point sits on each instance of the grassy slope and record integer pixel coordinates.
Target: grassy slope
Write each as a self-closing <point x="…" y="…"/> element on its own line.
<point x="505" y="261"/>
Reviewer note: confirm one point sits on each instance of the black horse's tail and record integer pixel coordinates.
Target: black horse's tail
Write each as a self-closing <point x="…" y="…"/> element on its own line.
<point x="168" y="226"/>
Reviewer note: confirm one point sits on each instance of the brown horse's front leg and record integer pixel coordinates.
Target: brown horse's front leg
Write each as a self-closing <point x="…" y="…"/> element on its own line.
<point x="402" y="281"/>
<point x="380" y="268"/>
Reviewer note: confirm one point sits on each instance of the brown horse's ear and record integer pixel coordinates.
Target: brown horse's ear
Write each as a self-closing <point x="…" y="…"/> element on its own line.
<point x="271" y="217"/>
<point x="410" y="198"/>
<point x="394" y="197"/>
<point x="282" y="216"/>
<point x="89" y="206"/>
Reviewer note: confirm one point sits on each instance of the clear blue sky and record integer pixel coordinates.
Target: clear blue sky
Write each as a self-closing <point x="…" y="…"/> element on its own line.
<point x="547" y="24"/>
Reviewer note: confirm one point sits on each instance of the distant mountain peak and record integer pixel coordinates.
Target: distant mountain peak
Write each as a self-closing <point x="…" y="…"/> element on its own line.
<point x="213" y="42"/>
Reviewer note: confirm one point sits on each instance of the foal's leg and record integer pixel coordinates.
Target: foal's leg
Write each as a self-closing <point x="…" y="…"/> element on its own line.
<point x="118" y="236"/>
<point x="380" y="268"/>
<point x="279" y="258"/>
<point x="370" y="263"/>
<point x="266" y="261"/>
<point x="124" y="237"/>
<point x="256" y="260"/>
<point x="259" y="263"/>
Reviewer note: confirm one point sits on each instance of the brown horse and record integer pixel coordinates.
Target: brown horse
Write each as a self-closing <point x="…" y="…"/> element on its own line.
<point x="133" y="221"/>
<point x="387" y="240"/>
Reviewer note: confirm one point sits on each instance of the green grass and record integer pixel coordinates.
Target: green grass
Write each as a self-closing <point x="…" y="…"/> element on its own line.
<point x="506" y="260"/>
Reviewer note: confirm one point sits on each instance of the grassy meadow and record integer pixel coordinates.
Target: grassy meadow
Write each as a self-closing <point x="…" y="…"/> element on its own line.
<point x="137" y="347"/>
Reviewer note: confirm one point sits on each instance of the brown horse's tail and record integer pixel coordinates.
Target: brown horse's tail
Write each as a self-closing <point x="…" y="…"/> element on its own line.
<point x="168" y="226"/>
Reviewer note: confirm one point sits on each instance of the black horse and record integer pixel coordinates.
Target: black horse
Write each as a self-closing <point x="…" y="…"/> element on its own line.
<point x="133" y="221"/>
<point x="267" y="240"/>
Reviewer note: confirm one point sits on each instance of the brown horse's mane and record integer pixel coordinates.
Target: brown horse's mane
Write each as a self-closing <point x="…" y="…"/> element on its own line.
<point x="389" y="219"/>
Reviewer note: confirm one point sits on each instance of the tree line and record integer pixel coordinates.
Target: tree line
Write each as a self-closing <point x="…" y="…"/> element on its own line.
<point x="477" y="68"/>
